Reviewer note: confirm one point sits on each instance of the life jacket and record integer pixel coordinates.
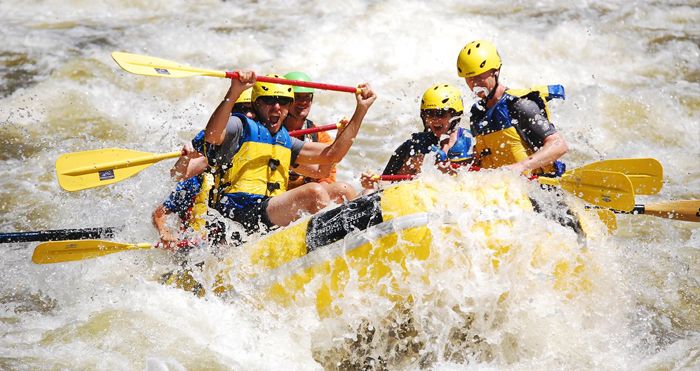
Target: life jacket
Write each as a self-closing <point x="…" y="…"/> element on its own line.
<point x="460" y="150"/>
<point x="259" y="169"/>
<point x="308" y="124"/>
<point x="313" y="137"/>
<point x="201" y="203"/>
<point x="498" y="142"/>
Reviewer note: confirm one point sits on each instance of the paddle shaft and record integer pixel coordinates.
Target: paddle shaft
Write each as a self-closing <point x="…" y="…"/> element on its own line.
<point x="306" y="84"/>
<point x="397" y="177"/>
<point x="686" y="210"/>
<point x="301" y="132"/>
<point x="164" y="156"/>
<point x="151" y="66"/>
<point x="122" y="164"/>
<point x="677" y="210"/>
<point x="57" y="235"/>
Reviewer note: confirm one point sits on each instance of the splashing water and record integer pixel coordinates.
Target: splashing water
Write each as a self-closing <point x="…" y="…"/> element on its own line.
<point x="632" y="77"/>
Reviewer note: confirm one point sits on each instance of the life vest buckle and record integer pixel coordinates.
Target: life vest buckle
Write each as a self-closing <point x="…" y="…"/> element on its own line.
<point x="273" y="164"/>
<point x="271" y="187"/>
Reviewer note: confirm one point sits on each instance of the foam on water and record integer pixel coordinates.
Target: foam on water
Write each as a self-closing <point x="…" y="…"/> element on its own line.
<point x="631" y="73"/>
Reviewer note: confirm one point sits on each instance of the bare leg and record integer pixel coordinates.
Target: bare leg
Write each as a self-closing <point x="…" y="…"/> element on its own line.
<point x="287" y="207"/>
<point x="340" y="191"/>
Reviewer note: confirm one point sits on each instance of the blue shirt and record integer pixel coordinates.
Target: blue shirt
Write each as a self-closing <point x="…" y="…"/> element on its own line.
<point x="182" y="198"/>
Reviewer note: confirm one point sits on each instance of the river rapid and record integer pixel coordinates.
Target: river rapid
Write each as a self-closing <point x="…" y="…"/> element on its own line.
<point x="631" y="70"/>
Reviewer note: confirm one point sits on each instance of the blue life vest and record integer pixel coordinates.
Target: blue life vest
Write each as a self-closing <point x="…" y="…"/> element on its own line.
<point x="461" y="150"/>
<point x="259" y="169"/>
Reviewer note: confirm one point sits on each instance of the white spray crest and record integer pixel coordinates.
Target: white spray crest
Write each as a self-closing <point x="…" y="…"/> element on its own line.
<point x="477" y="89"/>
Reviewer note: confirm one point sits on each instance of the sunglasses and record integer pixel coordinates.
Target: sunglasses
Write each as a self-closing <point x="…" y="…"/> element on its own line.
<point x="283" y="101"/>
<point x="303" y="97"/>
<point x="242" y="108"/>
<point x="435" y="113"/>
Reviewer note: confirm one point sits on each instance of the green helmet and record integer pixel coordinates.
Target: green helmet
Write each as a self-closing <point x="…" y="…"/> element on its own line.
<point x="301" y="77"/>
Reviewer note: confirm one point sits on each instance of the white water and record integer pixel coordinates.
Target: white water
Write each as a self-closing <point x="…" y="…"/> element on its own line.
<point x="632" y="77"/>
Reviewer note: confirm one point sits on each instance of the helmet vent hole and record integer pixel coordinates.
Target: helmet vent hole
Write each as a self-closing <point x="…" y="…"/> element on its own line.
<point x="469" y="52"/>
<point x="265" y="88"/>
<point x="482" y="64"/>
<point x="478" y="45"/>
<point x="445" y="100"/>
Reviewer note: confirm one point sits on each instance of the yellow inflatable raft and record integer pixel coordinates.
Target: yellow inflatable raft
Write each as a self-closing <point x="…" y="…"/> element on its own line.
<point x="375" y="243"/>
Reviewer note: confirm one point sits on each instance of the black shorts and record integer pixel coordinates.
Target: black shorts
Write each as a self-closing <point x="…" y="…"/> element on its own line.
<point x="252" y="217"/>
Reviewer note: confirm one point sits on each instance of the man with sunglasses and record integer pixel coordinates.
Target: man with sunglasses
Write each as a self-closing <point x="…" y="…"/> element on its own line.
<point x="511" y="128"/>
<point x="440" y="110"/>
<point x="254" y="156"/>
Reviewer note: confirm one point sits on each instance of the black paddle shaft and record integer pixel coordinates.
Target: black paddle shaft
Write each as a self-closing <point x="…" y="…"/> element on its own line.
<point x="57" y="235"/>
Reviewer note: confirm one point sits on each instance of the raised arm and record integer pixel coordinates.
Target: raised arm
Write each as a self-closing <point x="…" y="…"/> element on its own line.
<point x="216" y="127"/>
<point x="319" y="153"/>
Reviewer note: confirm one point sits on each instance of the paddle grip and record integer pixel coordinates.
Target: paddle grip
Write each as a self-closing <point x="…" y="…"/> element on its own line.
<point x="306" y="84"/>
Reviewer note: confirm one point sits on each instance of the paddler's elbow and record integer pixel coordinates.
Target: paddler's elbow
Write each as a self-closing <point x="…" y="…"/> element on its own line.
<point x="562" y="147"/>
<point x="557" y="145"/>
<point x="333" y="156"/>
<point x="324" y="171"/>
<point x="213" y="138"/>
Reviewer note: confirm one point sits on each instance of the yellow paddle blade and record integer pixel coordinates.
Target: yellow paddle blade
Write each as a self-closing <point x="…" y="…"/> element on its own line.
<point x="151" y="66"/>
<point x="89" y="169"/>
<point x="603" y="188"/>
<point x="608" y="218"/>
<point x="688" y="210"/>
<point x="74" y="250"/>
<point x="646" y="174"/>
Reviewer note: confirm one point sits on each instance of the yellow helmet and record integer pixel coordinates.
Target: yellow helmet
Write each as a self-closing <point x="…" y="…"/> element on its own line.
<point x="269" y="89"/>
<point x="477" y="57"/>
<point x="442" y="96"/>
<point x="245" y="96"/>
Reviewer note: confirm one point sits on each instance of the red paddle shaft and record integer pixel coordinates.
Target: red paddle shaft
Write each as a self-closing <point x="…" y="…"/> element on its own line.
<point x="307" y="84"/>
<point x="300" y="132"/>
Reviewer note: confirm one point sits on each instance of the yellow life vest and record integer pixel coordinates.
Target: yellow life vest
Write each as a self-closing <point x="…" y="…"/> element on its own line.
<point x="498" y="142"/>
<point x="201" y="203"/>
<point x="260" y="167"/>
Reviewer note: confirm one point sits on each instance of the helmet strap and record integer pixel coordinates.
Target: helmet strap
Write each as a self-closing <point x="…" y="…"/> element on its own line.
<point x="493" y="91"/>
<point x="454" y="121"/>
